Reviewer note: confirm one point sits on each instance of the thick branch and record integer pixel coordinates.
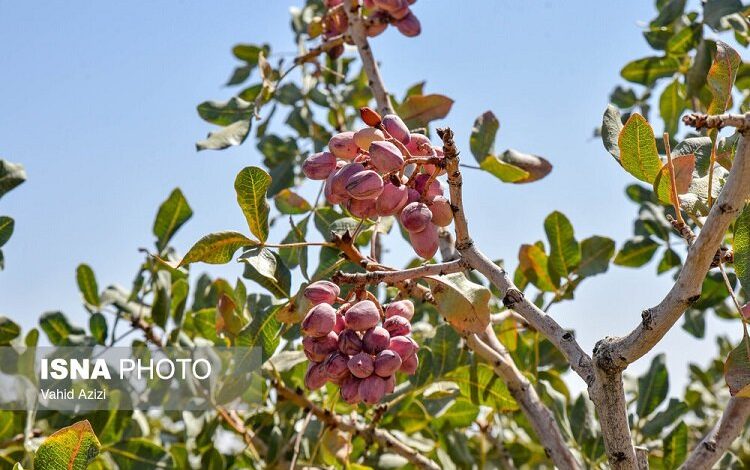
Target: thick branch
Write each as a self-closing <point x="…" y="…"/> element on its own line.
<point x="687" y="289"/>
<point x="358" y="35"/>
<point x="729" y="427"/>
<point x="700" y="121"/>
<point x="540" y="417"/>
<point x="385" y="439"/>
<point x="391" y="277"/>
<point x="513" y="298"/>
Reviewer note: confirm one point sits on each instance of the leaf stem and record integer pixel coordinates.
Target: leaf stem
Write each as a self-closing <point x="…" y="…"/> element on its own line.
<point x="673" y="180"/>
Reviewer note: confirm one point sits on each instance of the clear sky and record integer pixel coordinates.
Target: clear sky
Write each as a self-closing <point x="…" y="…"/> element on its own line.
<point x="98" y="102"/>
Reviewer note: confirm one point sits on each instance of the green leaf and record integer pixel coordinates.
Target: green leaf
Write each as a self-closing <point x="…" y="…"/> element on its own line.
<point x="11" y="175"/>
<point x="420" y="110"/>
<point x="636" y="252"/>
<point x="267" y="269"/>
<point x="675" y="447"/>
<point x="69" y="448"/>
<point x="217" y="248"/>
<point x="698" y="146"/>
<point x="293" y="257"/>
<point x="464" y="304"/>
<point x="482" y="140"/>
<point x="596" y="252"/>
<point x="505" y="172"/>
<point x="9" y="330"/>
<point x="262" y="331"/>
<point x="224" y="113"/>
<point x="565" y="252"/>
<point x="649" y="69"/>
<point x="59" y="330"/>
<point x="6" y="229"/>
<point x="482" y="386"/>
<point x="671" y="105"/>
<point x="741" y="246"/>
<point x="172" y="214"/>
<point x="669" y="12"/>
<point x="161" y="305"/>
<point x="623" y="98"/>
<point x="251" y="185"/>
<point x="87" y="285"/>
<point x="696" y="77"/>
<point x="663" y="419"/>
<point x="684" y="165"/>
<point x="695" y="322"/>
<point x="715" y="10"/>
<point x="250" y="53"/>
<point x="670" y="259"/>
<point x="139" y="453"/>
<point x="638" y="154"/>
<point x="445" y="350"/>
<point x="233" y="134"/>
<point x="737" y="369"/>
<point x="685" y="40"/>
<point x="533" y="263"/>
<point x="178" y="299"/>
<point x="289" y="202"/>
<point x="652" y="387"/>
<point x="611" y="128"/>
<point x="98" y="327"/>
<point x="721" y="77"/>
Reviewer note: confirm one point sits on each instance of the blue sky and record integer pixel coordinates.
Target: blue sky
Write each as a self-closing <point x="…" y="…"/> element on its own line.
<point x="98" y="102"/>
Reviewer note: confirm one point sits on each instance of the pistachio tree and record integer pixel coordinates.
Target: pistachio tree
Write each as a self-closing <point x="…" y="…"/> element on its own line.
<point x="450" y="359"/>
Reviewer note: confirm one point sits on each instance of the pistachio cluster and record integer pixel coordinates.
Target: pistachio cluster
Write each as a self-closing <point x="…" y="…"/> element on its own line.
<point x="383" y="170"/>
<point x="377" y="16"/>
<point x="359" y="346"/>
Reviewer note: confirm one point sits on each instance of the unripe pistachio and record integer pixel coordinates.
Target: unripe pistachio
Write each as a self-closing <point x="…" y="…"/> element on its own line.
<point x="410" y="364"/>
<point x="341" y="178"/>
<point x="340" y="323"/>
<point x="349" y="342"/>
<point x="362" y="316"/>
<point x="322" y="292"/>
<point x="319" y="165"/>
<point x="415" y="217"/>
<point x="426" y="242"/>
<point x="319" y="321"/>
<point x="362" y="208"/>
<point x="350" y="390"/>
<point x="409" y="25"/>
<point x="402" y="308"/>
<point x="376" y="28"/>
<point x="372" y="389"/>
<point x="331" y="196"/>
<point x="394" y="125"/>
<point x="317" y="349"/>
<point x="336" y="366"/>
<point x="365" y="137"/>
<point x="385" y="156"/>
<point x="369" y="116"/>
<point x="397" y="326"/>
<point x="420" y="181"/>
<point x="365" y="185"/>
<point x="387" y="362"/>
<point x="404" y="346"/>
<point x="392" y="199"/>
<point x="389" y="5"/>
<point x="442" y="214"/>
<point x="375" y="340"/>
<point x="361" y="365"/>
<point x="419" y="145"/>
<point x="412" y="196"/>
<point x="430" y="169"/>
<point x="342" y="145"/>
<point x="400" y="13"/>
<point x="315" y="377"/>
<point x="390" y="384"/>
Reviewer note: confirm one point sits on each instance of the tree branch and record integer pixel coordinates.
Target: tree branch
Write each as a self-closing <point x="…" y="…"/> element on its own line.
<point x="358" y="35"/>
<point x="384" y="438"/>
<point x="716" y="443"/>
<point x="513" y="298"/>
<point x="541" y="418"/>
<point x="700" y="121"/>
<point x="658" y="320"/>
<point x="392" y="277"/>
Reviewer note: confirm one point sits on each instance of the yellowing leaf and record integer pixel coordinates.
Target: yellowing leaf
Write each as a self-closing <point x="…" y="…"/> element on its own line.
<point x="638" y="154"/>
<point x="683" y="169"/>
<point x="505" y="172"/>
<point x="737" y="369"/>
<point x="419" y="110"/>
<point x="721" y="77"/>
<point x="69" y="448"/>
<point x="464" y="304"/>
<point x="532" y="262"/>
<point x="289" y="202"/>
